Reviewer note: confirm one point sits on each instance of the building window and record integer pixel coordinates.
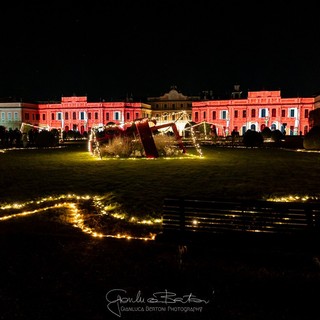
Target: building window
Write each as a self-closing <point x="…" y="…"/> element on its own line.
<point x="66" y="115"/>
<point x="37" y="116"/>
<point x="16" y="116"/>
<point x="291" y="113"/>
<point x="214" y="115"/>
<point x="263" y="113"/>
<point x="223" y="114"/>
<point x="43" y="116"/>
<point x="165" y="106"/>
<point x="305" y="130"/>
<point x="82" y="115"/>
<point x="96" y="116"/>
<point x="52" y="116"/>
<point x="59" y="116"/>
<point x="26" y="116"/>
<point x="306" y="113"/>
<point x="9" y="114"/>
<point x="181" y="105"/>
<point x="157" y="106"/>
<point x="173" y="106"/>
<point x="273" y="113"/>
<point x="89" y="115"/>
<point x="283" y="113"/>
<point x="74" y="116"/>
<point x="3" y="116"/>
<point x="196" y="117"/>
<point x="137" y="115"/>
<point x="107" y="116"/>
<point x="128" y="116"/>
<point x="244" y="113"/>
<point x="253" y="127"/>
<point x="253" y="113"/>
<point x="273" y="127"/>
<point x="236" y="113"/>
<point x="204" y="115"/>
<point x="116" y="115"/>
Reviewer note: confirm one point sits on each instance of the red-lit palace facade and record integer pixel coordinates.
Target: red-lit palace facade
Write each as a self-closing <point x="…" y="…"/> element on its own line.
<point x="76" y="113"/>
<point x="261" y="109"/>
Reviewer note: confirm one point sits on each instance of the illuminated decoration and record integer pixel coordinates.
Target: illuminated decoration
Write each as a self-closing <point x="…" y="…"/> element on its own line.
<point x="143" y="129"/>
<point x="294" y="198"/>
<point x="91" y="214"/>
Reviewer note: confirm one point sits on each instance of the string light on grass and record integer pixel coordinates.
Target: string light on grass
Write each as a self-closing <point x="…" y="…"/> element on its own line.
<point x="76" y="216"/>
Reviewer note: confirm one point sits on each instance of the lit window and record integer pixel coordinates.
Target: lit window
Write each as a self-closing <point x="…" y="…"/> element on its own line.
<point x="223" y="114"/>
<point x="292" y="113"/>
<point x="116" y="115"/>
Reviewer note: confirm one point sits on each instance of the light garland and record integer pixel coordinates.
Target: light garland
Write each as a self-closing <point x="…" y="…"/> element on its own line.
<point x="97" y="152"/>
<point x="75" y="216"/>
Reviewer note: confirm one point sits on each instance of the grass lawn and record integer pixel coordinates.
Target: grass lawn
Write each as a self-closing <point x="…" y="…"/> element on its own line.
<point x="140" y="185"/>
<point x="50" y="270"/>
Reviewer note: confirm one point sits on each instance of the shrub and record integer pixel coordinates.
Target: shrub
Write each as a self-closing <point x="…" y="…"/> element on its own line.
<point x="118" y="147"/>
<point x="252" y="139"/>
<point x="276" y="136"/>
<point x="166" y="145"/>
<point x="312" y="138"/>
<point x="45" y="139"/>
<point x="266" y="133"/>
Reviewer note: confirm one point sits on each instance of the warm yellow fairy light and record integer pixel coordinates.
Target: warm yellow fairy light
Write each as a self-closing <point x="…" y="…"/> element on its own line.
<point x="75" y="217"/>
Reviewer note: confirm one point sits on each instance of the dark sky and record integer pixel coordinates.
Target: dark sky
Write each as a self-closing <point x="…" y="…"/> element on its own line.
<point x="113" y="48"/>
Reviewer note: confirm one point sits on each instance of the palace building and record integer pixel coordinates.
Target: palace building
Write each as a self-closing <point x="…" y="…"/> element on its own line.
<point x="72" y="113"/>
<point x="258" y="110"/>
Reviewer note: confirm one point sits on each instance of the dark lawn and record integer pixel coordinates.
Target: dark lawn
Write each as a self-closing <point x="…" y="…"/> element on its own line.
<point x="141" y="185"/>
<point x="53" y="271"/>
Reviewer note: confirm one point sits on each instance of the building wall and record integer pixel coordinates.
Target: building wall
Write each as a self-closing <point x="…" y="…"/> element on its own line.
<point x="75" y="113"/>
<point x="173" y="106"/>
<point x="260" y="109"/>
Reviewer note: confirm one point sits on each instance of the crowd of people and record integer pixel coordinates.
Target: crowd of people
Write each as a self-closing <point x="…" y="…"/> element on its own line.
<point x="15" y="138"/>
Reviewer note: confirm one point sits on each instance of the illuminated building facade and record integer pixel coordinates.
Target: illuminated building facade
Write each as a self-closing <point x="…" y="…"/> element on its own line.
<point x="72" y="113"/>
<point x="259" y="110"/>
<point x="173" y="107"/>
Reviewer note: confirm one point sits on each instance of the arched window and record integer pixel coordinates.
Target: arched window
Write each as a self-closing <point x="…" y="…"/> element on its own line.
<point x="253" y="127"/>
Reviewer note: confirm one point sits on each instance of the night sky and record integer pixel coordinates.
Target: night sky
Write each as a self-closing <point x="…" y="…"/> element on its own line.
<point x="113" y="49"/>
